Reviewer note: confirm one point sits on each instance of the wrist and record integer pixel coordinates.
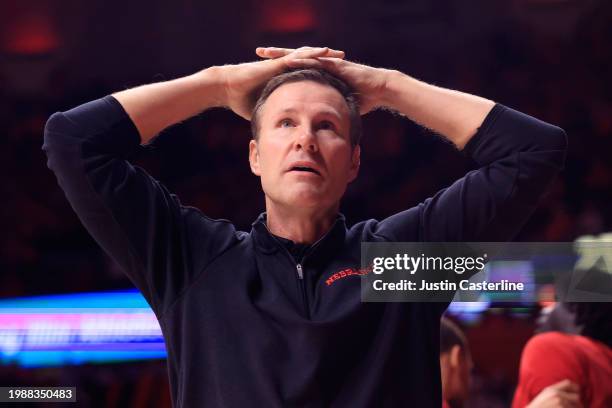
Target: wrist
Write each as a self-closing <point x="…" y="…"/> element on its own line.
<point x="397" y="86"/>
<point x="212" y="86"/>
<point x="390" y="77"/>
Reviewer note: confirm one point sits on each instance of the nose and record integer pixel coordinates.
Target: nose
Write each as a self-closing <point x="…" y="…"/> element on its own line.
<point x="306" y="140"/>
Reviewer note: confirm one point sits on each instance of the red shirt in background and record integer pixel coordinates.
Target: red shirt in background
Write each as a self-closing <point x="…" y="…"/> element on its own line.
<point x="551" y="357"/>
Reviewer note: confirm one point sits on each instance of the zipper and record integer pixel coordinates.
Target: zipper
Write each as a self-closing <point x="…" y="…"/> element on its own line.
<point x="300" y="272"/>
<point x="299" y="266"/>
<point x="302" y="285"/>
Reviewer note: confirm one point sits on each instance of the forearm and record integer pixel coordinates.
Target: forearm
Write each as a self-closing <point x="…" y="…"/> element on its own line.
<point x="156" y="106"/>
<point x="453" y="114"/>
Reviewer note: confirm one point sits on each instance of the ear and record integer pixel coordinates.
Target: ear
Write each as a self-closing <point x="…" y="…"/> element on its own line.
<point x="455" y="355"/>
<point x="355" y="163"/>
<point x="254" y="157"/>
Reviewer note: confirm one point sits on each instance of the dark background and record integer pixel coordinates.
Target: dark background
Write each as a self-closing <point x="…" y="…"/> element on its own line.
<point x="551" y="59"/>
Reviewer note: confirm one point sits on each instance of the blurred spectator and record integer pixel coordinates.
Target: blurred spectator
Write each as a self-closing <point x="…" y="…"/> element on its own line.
<point x="455" y="365"/>
<point x="585" y="359"/>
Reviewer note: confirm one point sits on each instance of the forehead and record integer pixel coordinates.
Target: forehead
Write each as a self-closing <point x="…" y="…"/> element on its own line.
<point x="305" y="96"/>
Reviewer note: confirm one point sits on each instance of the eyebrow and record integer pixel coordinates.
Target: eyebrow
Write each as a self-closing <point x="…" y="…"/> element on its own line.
<point x="324" y="112"/>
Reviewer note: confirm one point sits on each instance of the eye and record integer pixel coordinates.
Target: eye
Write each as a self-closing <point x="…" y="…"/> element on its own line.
<point x="327" y="125"/>
<point x="285" y="123"/>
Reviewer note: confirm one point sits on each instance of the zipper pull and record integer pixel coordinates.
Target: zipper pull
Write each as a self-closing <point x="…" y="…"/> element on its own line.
<point x="300" y="271"/>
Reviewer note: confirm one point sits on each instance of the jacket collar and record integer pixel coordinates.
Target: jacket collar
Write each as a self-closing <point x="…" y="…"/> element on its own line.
<point x="267" y="243"/>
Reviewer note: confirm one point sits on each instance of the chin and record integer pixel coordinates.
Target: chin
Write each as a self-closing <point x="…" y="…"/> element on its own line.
<point x="307" y="199"/>
<point x="307" y="203"/>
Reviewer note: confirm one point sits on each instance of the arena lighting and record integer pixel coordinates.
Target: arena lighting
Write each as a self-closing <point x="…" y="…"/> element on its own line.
<point x="78" y="329"/>
<point x="469" y="313"/>
<point x="286" y="16"/>
<point x="29" y="33"/>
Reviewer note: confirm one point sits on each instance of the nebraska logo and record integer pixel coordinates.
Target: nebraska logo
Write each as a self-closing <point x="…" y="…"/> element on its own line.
<point x="347" y="272"/>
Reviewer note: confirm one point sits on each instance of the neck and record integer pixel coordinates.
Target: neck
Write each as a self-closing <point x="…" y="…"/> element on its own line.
<point x="304" y="227"/>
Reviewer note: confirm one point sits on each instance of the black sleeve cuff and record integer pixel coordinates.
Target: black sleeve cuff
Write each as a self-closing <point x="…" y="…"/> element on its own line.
<point x="472" y="145"/>
<point x="106" y="125"/>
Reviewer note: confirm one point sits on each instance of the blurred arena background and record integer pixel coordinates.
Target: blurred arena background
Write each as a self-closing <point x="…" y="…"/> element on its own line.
<point x="67" y="315"/>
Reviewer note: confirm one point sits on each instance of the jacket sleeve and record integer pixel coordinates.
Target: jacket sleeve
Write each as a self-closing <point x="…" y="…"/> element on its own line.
<point x="160" y="244"/>
<point x="518" y="158"/>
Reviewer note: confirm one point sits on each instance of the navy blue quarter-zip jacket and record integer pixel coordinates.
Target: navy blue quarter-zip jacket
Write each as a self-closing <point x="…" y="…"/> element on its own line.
<point x="247" y="323"/>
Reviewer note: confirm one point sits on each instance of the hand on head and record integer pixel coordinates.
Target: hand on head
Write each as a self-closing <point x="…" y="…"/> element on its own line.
<point x="241" y="81"/>
<point x="368" y="82"/>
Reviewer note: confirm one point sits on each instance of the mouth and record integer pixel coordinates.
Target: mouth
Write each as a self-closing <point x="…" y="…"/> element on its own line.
<point x="305" y="167"/>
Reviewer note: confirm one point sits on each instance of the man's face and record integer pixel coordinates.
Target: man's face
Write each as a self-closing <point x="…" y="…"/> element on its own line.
<point x="303" y="153"/>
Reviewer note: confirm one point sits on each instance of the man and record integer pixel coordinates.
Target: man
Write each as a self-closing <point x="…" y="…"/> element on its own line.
<point x="248" y="317"/>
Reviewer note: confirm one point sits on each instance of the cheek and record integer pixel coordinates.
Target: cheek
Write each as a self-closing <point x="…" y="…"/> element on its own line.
<point x="339" y="158"/>
<point x="270" y="159"/>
